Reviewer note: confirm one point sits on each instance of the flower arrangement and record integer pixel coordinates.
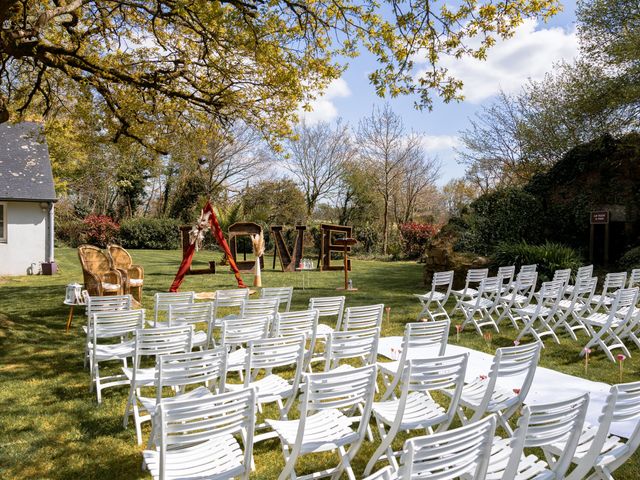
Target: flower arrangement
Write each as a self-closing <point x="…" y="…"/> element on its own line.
<point x="621" y="358"/>
<point x="257" y="243"/>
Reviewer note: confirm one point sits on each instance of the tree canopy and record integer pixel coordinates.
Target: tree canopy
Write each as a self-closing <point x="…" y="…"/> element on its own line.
<point x="156" y="69"/>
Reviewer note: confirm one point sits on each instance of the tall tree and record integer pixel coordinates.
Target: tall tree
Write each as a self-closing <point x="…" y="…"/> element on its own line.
<point x="386" y="148"/>
<point x="154" y="66"/>
<point x="419" y="174"/>
<point x="315" y="158"/>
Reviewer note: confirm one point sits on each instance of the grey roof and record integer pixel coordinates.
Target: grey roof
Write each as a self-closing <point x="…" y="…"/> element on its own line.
<point x="25" y="168"/>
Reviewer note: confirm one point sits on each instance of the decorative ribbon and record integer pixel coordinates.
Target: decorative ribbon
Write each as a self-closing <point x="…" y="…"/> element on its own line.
<point x="196" y="236"/>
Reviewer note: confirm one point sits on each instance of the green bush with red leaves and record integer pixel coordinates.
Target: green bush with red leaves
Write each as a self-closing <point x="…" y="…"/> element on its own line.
<point x="414" y="237"/>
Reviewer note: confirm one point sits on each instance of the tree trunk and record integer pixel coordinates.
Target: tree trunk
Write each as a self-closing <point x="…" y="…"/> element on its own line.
<point x="385" y="227"/>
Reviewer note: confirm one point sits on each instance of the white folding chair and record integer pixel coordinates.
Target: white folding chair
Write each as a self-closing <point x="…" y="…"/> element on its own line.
<point x="420" y="340"/>
<point x="441" y="285"/>
<point x="458" y="453"/>
<point x="360" y="318"/>
<point x="163" y="300"/>
<point x="283" y="294"/>
<point x="538" y="317"/>
<point x="351" y="344"/>
<point x="95" y="304"/>
<point x="540" y="425"/>
<point x="518" y="296"/>
<point x="605" y="328"/>
<point x="295" y="324"/>
<point x="237" y="333"/>
<point x="572" y="311"/>
<point x="416" y="408"/>
<point x="328" y="307"/>
<point x="474" y="277"/>
<point x="105" y="328"/>
<point x="634" y="278"/>
<point x="265" y="355"/>
<point x="177" y="371"/>
<point x="329" y="402"/>
<point x="194" y="314"/>
<point x="229" y="299"/>
<point x="612" y="283"/>
<point x="599" y="450"/>
<point x="582" y="273"/>
<point x="489" y="395"/>
<point x="198" y="438"/>
<point x="479" y="310"/>
<point x="151" y="342"/>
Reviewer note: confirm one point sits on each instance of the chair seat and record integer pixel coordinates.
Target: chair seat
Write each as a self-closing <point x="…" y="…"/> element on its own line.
<point x="601" y="319"/>
<point x="470" y="292"/>
<point x="529" y="467"/>
<point x="144" y="376"/>
<point x="323" y="330"/>
<point x="473" y="393"/>
<point x="269" y="389"/>
<point x="482" y="303"/>
<point x="532" y="309"/>
<point x="110" y="287"/>
<point x="431" y="296"/>
<point x="584" y="444"/>
<point x="199" y="338"/>
<point x="605" y="299"/>
<point x="217" y="458"/>
<point x="325" y="430"/>
<point x="236" y="360"/>
<point x="420" y="411"/>
<point x="149" y="403"/>
<point x="136" y="282"/>
<point x="519" y="299"/>
<point x="115" y="351"/>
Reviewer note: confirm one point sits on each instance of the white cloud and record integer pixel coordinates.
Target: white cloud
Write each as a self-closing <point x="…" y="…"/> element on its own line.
<point x="439" y="143"/>
<point x="530" y="53"/>
<point x="322" y="108"/>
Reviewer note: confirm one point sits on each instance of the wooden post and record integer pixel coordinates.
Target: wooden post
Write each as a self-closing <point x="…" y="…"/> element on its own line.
<point x="606" y="244"/>
<point x="591" y="242"/>
<point x="346" y="243"/>
<point x="346" y="270"/>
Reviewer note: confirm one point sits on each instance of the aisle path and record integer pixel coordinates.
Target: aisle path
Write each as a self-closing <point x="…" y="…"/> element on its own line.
<point x="548" y="385"/>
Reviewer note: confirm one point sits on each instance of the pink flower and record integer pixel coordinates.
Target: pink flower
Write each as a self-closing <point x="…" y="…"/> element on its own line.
<point x="516" y="391"/>
<point x="483" y="377"/>
<point x="621" y="357"/>
<point x="587" y="351"/>
<point x="516" y="343"/>
<point x="458" y="328"/>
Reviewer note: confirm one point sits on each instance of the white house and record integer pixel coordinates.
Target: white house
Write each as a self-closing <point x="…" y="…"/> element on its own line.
<point x="27" y="196"/>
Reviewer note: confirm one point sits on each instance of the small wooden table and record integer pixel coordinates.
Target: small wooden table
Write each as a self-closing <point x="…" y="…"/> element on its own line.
<point x="72" y="305"/>
<point x="346" y="243"/>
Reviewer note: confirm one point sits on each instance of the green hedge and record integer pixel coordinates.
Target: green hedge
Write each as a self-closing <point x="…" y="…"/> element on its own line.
<point x="631" y="259"/>
<point x="548" y="256"/>
<point x="151" y="233"/>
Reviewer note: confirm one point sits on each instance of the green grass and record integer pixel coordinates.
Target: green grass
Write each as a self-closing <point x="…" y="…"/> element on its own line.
<point x="51" y="426"/>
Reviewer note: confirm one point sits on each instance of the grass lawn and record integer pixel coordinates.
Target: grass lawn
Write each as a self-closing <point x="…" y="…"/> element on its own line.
<point x="52" y="427"/>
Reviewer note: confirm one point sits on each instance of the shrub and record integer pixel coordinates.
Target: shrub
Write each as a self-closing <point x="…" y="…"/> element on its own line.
<point x="414" y="237"/>
<point x="631" y="259"/>
<point x="151" y="233"/>
<point x="504" y="215"/>
<point x="548" y="256"/>
<point x="99" y="230"/>
<point x="70" y="232"/>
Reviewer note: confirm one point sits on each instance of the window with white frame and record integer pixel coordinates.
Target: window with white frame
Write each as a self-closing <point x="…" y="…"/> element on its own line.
<point x="3" y="222"/>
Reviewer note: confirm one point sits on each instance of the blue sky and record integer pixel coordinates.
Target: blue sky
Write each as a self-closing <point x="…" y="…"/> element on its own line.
<point x="529" y="54"/>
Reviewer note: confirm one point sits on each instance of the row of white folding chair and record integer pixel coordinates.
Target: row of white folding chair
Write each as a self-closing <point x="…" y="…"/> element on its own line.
<point x="572" y="311"/>
<point x="480" y="309"/>
<point x="187" y="429"/>
<point x="518" y="296"/>
<point x="538" y="318"/>
<point x="473" y="452"/>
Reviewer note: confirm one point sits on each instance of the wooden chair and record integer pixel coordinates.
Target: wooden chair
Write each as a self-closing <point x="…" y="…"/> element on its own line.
<point x="100" y="278"/>
<point x="132" y="275"/>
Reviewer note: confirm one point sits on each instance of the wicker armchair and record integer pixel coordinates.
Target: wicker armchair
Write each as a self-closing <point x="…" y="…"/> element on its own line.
<point x="100" y="278"/>
<point x="132" y="275"/>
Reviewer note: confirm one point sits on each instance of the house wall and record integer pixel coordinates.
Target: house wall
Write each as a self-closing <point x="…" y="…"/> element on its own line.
<point x="26" y="238"/>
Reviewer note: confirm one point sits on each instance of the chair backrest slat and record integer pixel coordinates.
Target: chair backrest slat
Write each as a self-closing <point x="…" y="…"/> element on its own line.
<point x="283" y="294"/>
<point x="162" y="301"/>
<point x="357" y="318"/>
<point x="240" y="331"/>
<point x="342" y="345"/>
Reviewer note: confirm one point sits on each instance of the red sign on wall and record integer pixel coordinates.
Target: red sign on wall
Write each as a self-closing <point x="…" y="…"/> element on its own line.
<point x="599" y="217"/>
